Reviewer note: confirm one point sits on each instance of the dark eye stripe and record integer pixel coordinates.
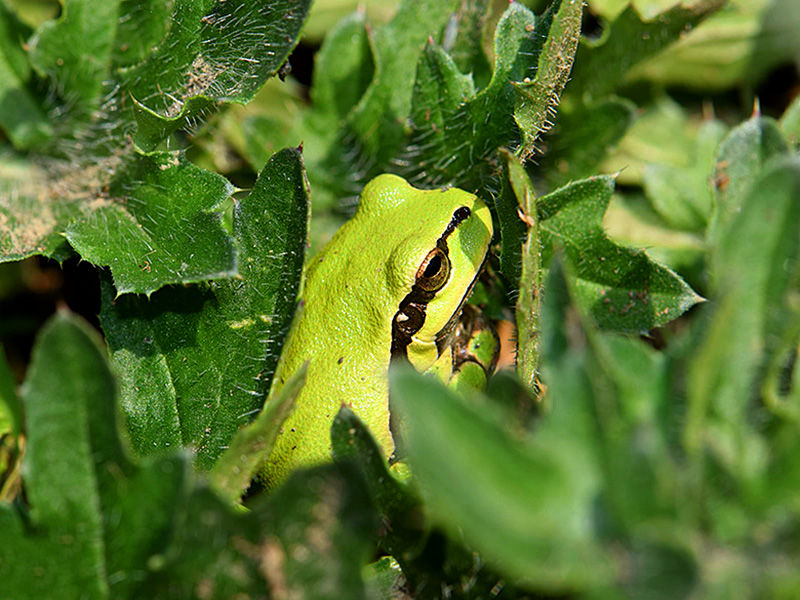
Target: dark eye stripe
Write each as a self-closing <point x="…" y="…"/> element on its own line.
<point x="410" y="316"/>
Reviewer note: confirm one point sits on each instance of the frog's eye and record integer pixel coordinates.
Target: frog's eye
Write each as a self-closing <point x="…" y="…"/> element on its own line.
<point x="434" y="271"/>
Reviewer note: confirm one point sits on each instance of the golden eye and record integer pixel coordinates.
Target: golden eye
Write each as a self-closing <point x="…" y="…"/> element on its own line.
<point x="434" y="271"/>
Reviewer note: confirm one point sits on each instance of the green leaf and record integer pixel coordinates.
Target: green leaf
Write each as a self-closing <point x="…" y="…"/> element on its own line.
<point x="513" y="203"/>
<point x="68" y="375"/>
<point x="661" y="134"/>
<point x="342" y="73"/>
<point x="682" y="196"/>
<point x="377" y="122"/>
<point x="397" y="506"/>
<point x="160" y="224"/>
<point x="518" y="506"/>
<point x="537" y="87"/>
<point x="214" y="51"/>
<point x="741" y="157"/>
<point x="251" y="445"/>
<point x="10" y="408"/>
<point x="463" y="39"/>
<point x="602" y="65"/>
<point x="142" y="25"/>
<point x="756" y="277"/>
<point x="622" y="288"/>
<point x="21" y="116"/>
<point x="309" y="540"/>
<point x="738" y="46"/>
<point x="454" y="130"/>
<point x="11" y="446"/>
<point x="75" y="51"/>
<point x="94" y="516"/>
<point x="612" y="413"/>
<point x="440" y="121"/>
<point x="520" y="260"/>
<point x="31" y="218"/>
<point x="790" y="123"/>
<point x="196" y="362"/>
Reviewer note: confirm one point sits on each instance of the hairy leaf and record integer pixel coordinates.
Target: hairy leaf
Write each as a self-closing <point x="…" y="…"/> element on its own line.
<point x="621" y="287"/>
<point x="95" y="517"/>
<point x="214" y="51"/>
<point x="75" y="51"/>
<point x="196" y="362"/>
<point x="158" y="223"/>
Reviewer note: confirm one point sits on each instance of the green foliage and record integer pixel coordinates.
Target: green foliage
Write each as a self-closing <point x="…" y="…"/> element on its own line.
<point x="604" y="466"/>
<point x="99" y="74"/>
<point x="196" y="363"/>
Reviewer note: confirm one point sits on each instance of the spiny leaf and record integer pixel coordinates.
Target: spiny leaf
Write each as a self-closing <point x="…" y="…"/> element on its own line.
<point x="456" y="130"/>
<point x="602" y="65"/>
<point x="220" y="51"/>
<point x="196" y="362"/>
<point x="158" y="223"/>
<point x="621" y="287"/>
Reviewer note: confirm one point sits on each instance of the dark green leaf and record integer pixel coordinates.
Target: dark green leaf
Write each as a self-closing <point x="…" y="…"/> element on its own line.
<point x="96" y="517"/>
<point x="250" y="446"/>
<point x="454" y="130"/>
<point x="214" y="51"/>
<point x="196" y="362"/>
<point x="463" y="40"/>
<point x="309" y="540"/>
<point x="538" y="85"/>
<point x="439" y="118"/>
<point x="399" y="508"/>
<point x="68" y="397"/>
<point x="520" y="260"/>
<point x="515" y="199"/>
<point x="159" y="224"/>
<point x="601" y="66"/>
<point x="141" y="27"/>
<point x="519" y="506"/>
<point x="622" y="288"/>
<point x="377" y="122"/>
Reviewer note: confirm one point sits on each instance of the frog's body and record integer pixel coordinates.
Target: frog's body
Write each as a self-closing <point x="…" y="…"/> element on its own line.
<point x="374" y="293"/>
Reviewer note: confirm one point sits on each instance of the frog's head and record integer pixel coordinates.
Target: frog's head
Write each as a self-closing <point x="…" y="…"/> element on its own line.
<point x="437" y="241"/>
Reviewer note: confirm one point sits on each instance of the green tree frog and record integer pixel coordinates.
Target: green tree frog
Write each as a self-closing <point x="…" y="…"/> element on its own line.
<point x="389" y="286"/>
